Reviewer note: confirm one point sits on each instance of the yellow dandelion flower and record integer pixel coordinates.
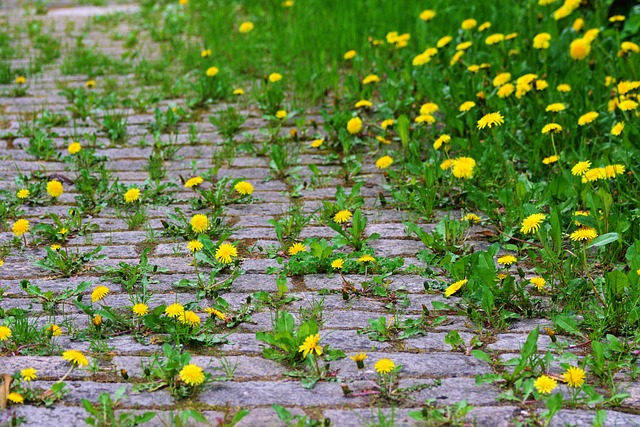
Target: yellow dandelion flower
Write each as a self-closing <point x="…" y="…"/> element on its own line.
<point x="363" y="103"/>
<point x="594" y="175"/>
<point x="74" y="148"/>
<point x="275" y="77"/>
<point x="342" y="216"/>
<point x="564" y="88"/>
<point x="463" y="167"/>
<point x="195" y="246"/>
<point x="132" y="195"/>
<point x="484" y="26"/>
<point x="55" y="330"/>
<point x="580" y="168"/>
<point x="29" y="374"/>
<point x="354" y="125"/>
<point x="443" y="41"/>
<point x="466" y="106"/>
<point x="579" y="49"/>
<point x="551" y="128"/>
<point x="627" y="105"/>
<point x="75" y="357"/>
<point x="225" y="253"/>
<point x="199" y="223"/>
<point x="337" y="264"/>
<point x="238" y="91"/>
<point x="297" y="248"/>
<point x="15" y="397"/>
<point x="427" y="15"/>
<point x="311" y="344"/>
<point x="54" y="188"/>
<point x="469" y="24"/>
<point x="425" y="118"/>
<point x="140" y="309"/>
<point x="507" y="260"/>
<point x="501" y="79"/>
<point x="244" y="188"/>
<point x="246" y="27"/>
<point x="541" y="41"/>
<point x="5" y="333"/>
<point x="350" y="54"/>
<point x="455" y="287"/>
<point x="555" y="107"/>
<point x="541" y="85"/>
<point x="574" y="377"/>
<point x="442" y="139"/>
<point x="538" y="282"/>
<point x="491" y="119"/>
<point x="384" y="162"/>
<point x="192" y="375"/>
<point x="366" y="258"/>
<point x="550" y="160"/>
<point x="316" y="143"/>
<point x="193" y="182"/>
<point x="630" y="47"/>
<point x="545" y="384"/>
<point x="578" y="24"/>
<point x="359" y="359"/>
<point x="494" y="39"/>
<point x="472" y="218"/>
<point x="23" y="193"/>
<point x="189" y="318"/>
<point x="384" y="366"/>
<point x="531" y="224"/>
<point x="212" y="71"/>
<point x="97" y="320"/>
<point x="588" y="118"/>
<point x="447" y="164"/>
<point x="99" y="293"/>
<point x="506" y="90"/>
<point x="281" y="114"/>
<point x="20" y="227"/>
<point x="217" y="313"/>
<point x="174" y="310"/>
<point x="371" y="78"/>
<point x="617" y="129"/>
<point x="386" y="123"/>
<point x="583" y="234"/>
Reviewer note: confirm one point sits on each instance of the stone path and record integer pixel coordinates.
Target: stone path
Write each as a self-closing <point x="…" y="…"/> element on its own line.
<point x="258" y="383"/>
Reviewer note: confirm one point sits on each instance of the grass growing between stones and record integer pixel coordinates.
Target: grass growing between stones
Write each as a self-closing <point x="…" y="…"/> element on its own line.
<point x="321" y="213"/>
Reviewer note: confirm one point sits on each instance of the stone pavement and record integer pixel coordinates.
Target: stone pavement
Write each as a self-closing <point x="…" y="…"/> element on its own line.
<point x="258" y="382"/>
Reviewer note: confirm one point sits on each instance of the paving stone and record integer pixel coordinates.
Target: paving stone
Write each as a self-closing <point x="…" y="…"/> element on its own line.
<point x="581" y="418"/>
<point x="268" y="393"/>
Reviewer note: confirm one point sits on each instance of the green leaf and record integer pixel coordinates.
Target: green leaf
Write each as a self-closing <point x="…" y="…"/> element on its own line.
<point x="567" y="324"/>
<point x="481" y="355"/>
<point x="403" y="130"/>
<point x="605" y="239"/>
<point x="616" y="281"/>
